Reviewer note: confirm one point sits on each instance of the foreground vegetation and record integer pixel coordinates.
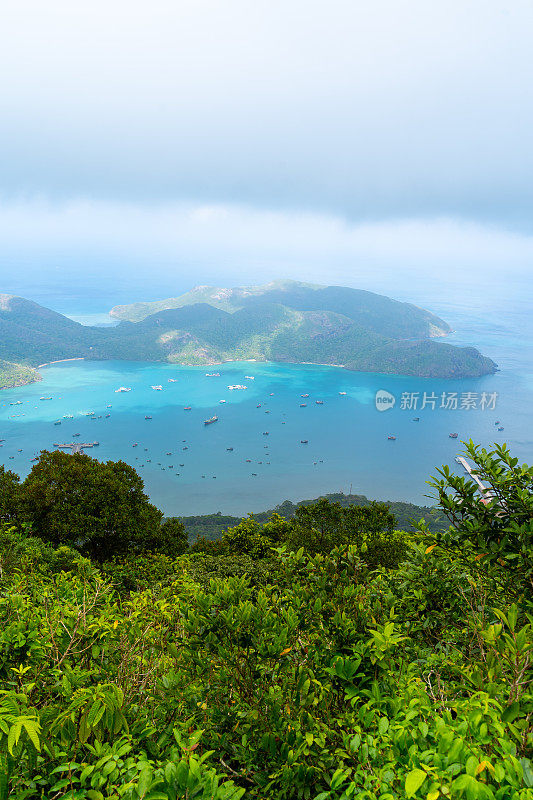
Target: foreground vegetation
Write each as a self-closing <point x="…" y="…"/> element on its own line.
<point x="326" y="656"/>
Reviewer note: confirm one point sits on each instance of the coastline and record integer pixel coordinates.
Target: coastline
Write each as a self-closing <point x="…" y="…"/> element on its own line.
<point x="60" y="361"/>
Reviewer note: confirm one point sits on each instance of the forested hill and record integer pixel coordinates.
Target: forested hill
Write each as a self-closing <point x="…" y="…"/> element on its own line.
<point x="283" y="322"/>
<point x="374" y="312"/>
<point x="406" y="515"/>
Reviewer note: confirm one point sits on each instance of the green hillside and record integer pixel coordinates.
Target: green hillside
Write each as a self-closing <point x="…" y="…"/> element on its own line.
<point x="16" y="374"/>
<point x="406" y="515"/>
<point x="285" y="322"/>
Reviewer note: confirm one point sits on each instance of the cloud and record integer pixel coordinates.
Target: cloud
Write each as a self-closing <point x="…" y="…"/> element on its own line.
<point x="390" y="109"/>
<point x="177" y="245"/>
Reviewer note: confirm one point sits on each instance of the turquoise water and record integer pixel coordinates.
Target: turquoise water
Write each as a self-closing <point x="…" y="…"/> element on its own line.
<point x="347" y="445"/>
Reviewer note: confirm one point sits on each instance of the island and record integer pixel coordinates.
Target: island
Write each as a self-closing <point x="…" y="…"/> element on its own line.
<point x="282" y="321"/>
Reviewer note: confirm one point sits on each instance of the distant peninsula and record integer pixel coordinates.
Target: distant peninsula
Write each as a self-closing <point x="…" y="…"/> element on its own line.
<point x="283" y="321"/>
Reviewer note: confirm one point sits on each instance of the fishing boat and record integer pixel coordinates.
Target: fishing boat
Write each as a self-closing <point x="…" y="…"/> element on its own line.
<point x="172" y="380"/>
<point x="392" y="438"/>
<point x="210" y="421"/>
<point x="221" y="401"/>
<point x="416" y="419"/>
<point x="148" y="416"/>
<point x="75" y="434"/>
<point x="89" y="413"/>
<point x="187" y="408"/>
<point x="500" y="428"/>
<point x="212" y="374"/>
<point x="304" y="441"/>
<point x="342" y="392"/>
<point x="250" y="377"/>
<point x="237" y="386"/>
<point x="45" y="398"/>
<point x="57" y="423"/>
<point x="452" y="435"/>
<point x="303" y="405"/>
<point x="319" y="402"/>
<point x="497" y="422"/>
<point x="304" y="395"/>
<point x="123" y="389"/>
<point x="265" y="433"/>
<point x="157" y="388"/>
<point x="230" y="449"/>
<point x="68" y="416"/>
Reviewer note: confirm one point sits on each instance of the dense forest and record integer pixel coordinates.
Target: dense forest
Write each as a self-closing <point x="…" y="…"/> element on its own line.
<point x="285" y="322"/>
<point x="322" y="655"/>
<point x="406" y="515"/>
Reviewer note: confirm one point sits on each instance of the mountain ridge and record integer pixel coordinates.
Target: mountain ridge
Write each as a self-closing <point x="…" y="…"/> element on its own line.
<point x="285" y="321"/>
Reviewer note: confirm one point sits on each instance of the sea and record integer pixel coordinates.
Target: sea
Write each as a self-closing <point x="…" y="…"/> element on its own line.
<point x="296" y="431"/>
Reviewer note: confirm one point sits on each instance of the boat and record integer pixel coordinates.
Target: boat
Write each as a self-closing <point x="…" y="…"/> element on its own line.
<point x="157" y="388"/>
<point x="212" y="374"/>
<point x="57" y="423"/>
<point x="187" y="408"/>
<point x="303" y="405"/>
<point x="75" y="434"/>
<point x="249" y="377"/>
<point x="148" y="417"/>
<point x="45" y="398"/>
<point x="109" y="406"/>
<point x="304" y="395"/>
<point x="319" y="402"/>
<point x="237" y="386"/>
<point x="258" y="405"/>
<point x="210" y="420"/>
<point x="416" y="419"/>
<point x="500" y="428"/>
<point x="221" y="401"/>
<point x="123" y="389"/>
<point x="68" y="416"/>
<point x="497" y="422"/>
<point x="342" y="392"/>
<point x="392" y="438"/>
<point x="172" y="380"/>
<point x="304" y="441"/>
<point x="265" y="433"/>
<point x="107" y="415"/>
<point x="229" y="449"/>
<point x="89" y="413"/>
<point x="452" y="435"/>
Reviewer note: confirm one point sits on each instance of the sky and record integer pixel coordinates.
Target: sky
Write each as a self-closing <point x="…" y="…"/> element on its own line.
<point x="171" y="143"/>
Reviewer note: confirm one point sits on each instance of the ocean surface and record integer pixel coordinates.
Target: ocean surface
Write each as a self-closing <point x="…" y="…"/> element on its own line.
<point x="187" y="466"/>
<point x="348" y="448"/>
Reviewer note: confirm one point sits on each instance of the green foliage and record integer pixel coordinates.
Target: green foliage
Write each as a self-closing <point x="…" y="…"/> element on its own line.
<point x="406" y="515"/>
<point x="499" y="530"/>
<point x="358" y="665"/>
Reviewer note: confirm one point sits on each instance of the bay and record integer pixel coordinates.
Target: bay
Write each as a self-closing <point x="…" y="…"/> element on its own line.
<point x="347" y="449"/>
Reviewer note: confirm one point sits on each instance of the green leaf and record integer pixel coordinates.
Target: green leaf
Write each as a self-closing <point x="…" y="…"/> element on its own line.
<point x="511" y="712"/>
<point x="414" y="781"/>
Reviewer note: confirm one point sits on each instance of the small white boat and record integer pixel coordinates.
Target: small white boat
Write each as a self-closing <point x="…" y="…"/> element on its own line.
<point x="172" y="380"/>
<point x="68" y="416"/>
<point x="212" y="374"/>
<point x="237" y="386"/>
<point x="250" y="377"/>
<point x="157" y="388"/>
<point x="221" y="401"/>
<point x="123" y="389"/>
<point x="342" y="392"/>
